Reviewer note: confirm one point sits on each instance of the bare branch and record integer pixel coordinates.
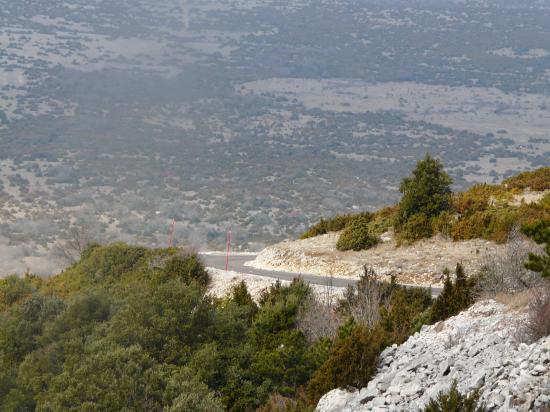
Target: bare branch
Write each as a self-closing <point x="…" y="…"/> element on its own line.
<point x="317" y="319"/>
<point x="70" y="249"/>
<point x="505" y="271"/>
<point x="365" y="303"/>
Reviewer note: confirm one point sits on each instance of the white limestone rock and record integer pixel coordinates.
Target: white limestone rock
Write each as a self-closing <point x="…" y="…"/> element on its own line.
<point x="477" y="348"/>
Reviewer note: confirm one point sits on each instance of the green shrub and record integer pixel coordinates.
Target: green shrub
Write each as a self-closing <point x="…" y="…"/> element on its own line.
<point x="357" y="236"/>
<point x="22" y="325"/>
<point x="353" y="358"/>
<point x="187" y="269"/>
<point x="496" y="224"/>
<point x="167" y="321"/>
<point x="13" y="289"/>
<point x="111" y="261"/>
<point x="104" y="265"/>
<point x="352" y="362"/>
<point x="415" y="228"/>
<point x="454" y="401"/>
<point x="426" y="191"/>
<point x="485" y="211"/>
<point x="127" y="378"/>
<point x="472" y="226"/>
<point x="334" y="224"/>
<point x="241" y="297"/>
<point x="382" y="220"/>
<point x="500" y="225"/>
<point x="444" y="223"/>
<point x="405" y="311"/>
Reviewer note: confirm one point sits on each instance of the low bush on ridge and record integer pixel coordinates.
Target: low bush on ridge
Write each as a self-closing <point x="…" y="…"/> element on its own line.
<point x="357" y="235"/>
<point x="324" y="226"/>
<point x="537" y="180"/>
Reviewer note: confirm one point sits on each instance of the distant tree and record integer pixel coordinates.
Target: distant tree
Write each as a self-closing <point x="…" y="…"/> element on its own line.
<point x="426" y="192"/>
<point x="540" y="233"/>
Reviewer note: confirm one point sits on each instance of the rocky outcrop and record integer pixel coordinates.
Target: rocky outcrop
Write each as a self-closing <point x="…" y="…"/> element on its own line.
<point x="477" y="348"/>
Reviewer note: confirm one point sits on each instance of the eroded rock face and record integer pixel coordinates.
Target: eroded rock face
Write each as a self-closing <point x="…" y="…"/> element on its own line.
<point x="477" y="348"/>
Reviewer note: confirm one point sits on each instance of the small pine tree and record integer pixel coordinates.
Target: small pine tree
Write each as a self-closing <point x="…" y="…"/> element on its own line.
<point x="242" y="297"/>
<point x="427" y="190"/>
<point x="540" y="233"/>
<point x="352" y="361"/>
<point x="454" y="401"/>
<point x="426" y="194"/>
<point x="462" y="291"/>
<point x="454" y="297"/>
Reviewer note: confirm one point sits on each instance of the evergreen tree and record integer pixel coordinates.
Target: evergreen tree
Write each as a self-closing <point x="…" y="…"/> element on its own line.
<point x="426" y="193"/>
<point x="454" y="297"/>
<point x="540" y="233"/>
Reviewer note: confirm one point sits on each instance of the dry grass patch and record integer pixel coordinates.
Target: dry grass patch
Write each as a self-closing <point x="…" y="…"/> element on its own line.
<point x="515" y="301"/>
<point x="439" y="326"/>
<point x="538" y="322"/>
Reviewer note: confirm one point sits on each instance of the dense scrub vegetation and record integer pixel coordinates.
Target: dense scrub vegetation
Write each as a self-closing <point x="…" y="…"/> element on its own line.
<point x="428" y="207"/>
<point x="132" y="328"/>
<point x="129" y="328"/>
<point x="334" y="224"/>
<point x="535" y="180"/>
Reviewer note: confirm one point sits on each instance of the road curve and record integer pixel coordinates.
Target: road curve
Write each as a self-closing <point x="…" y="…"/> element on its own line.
<point x="236" y="264"/>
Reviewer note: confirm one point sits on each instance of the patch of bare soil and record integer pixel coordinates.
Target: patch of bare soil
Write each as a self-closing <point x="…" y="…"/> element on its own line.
<point x="528" y="197"/>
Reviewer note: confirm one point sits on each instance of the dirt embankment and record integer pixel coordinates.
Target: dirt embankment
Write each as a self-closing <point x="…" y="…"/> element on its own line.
<point x="421" y="263"/>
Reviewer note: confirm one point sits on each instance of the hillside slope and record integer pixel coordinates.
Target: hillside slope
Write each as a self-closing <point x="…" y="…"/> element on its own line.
<point x="477" y="348"/>
<point x="470" y="229"/>
<point x="420" y="263"/>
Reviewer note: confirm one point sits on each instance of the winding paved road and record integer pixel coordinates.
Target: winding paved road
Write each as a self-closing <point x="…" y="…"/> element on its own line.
<point x="236" y="263"/>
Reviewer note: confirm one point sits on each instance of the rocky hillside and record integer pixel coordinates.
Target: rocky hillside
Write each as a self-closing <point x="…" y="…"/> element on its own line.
<point x="420" y="263"/>
<point x="477" y="348"/>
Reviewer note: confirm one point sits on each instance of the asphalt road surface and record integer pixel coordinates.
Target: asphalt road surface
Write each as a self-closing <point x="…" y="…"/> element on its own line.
<point x="236" y="264"/>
